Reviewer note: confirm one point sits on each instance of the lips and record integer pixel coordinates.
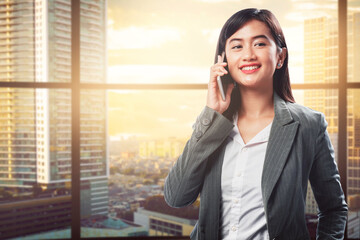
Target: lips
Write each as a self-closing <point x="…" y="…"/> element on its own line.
<point x="247" y="69"/>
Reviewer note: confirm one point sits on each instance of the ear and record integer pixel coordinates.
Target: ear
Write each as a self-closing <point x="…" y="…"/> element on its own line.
<point x="282" y="57"/>
<point x="283" y="54"/>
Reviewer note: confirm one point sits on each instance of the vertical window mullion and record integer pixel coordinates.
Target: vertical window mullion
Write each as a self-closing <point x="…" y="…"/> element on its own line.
<point x="75" y="118"/>
<point x="342" y="107"/>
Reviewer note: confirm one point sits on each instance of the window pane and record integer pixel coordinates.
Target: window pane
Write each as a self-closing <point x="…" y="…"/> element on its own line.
<point x="92" y="41"/>
<point x="321" y="50"/>
<point x="35" y="41"/>
<point x="353" y="183"/>
<point x="148" y="42"/>
<point x="35" y="163"/>
<point x="353" y="39"/>
<point x="353" y="121"/>
<point x="325" y="101"/>
<point x="94" y="191"/>
<point x="147" y="131"/>
<point x="17" y="41"/>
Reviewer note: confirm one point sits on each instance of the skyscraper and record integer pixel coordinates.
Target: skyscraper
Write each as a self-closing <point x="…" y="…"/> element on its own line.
<point x="354" y="105"/>
<point x="353" y="127"/>
<point x="321" y="66"/>
<point x="35" y="133"/>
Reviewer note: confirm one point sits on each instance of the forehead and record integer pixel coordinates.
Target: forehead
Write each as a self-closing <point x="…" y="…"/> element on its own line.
<point x="251" y="29"/>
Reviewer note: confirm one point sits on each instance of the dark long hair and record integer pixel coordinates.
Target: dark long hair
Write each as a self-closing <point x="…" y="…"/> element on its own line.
<point x="281" y="79"/>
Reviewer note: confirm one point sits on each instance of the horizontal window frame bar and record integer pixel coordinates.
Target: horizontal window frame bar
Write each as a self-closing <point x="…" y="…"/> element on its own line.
<point x="109" y="86"/>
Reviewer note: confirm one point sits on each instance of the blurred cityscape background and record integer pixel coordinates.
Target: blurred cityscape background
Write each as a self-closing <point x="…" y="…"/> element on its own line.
<point x="131" y="138"/>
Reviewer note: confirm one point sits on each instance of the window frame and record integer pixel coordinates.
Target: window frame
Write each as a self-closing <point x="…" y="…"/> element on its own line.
<point x="76" y="86"/>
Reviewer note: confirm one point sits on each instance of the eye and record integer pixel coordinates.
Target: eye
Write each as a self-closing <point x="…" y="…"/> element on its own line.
<point x="237" y="47"/>
<point x="260" y="44"/>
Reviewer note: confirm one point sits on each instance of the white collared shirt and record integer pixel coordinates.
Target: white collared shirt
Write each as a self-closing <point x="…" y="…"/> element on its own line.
<point x="243" y="214"/>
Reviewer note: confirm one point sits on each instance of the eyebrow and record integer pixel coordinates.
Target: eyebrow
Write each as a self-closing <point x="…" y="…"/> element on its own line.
<point x="253" y="38"/>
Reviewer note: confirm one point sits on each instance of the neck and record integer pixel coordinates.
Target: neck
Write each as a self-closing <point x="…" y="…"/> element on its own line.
<point x="256" y="104"/>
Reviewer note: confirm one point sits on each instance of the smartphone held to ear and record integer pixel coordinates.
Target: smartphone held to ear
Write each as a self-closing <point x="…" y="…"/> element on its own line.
<point x="223" y="81"/>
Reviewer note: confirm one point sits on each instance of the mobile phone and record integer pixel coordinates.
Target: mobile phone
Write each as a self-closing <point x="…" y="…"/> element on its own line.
<point x="223" y="81"/>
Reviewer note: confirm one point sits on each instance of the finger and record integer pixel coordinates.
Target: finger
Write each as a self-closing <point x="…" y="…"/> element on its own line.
<point x="219" y="73"/>
<point x="223" y="64"/>
<point x="219" y="59"/>
<point x="224" y="70"/>
<point x="217" y="65"/>
<point x="217" y="68"/>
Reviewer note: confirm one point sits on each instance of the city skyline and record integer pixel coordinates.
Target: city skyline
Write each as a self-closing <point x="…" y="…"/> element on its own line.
<point x="129" y="139"/>
<point x="148" y="44"/>
<point x="35" y="145"/>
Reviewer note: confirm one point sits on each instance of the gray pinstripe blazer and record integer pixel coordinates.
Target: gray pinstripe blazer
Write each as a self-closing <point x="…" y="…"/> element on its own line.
<point x="298" y="150"/>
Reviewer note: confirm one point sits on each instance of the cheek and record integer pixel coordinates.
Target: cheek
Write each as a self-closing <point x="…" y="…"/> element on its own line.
<point x="232" y="62"/>
<point x="272" y="62"/>
<point x="275" y="56"/>
<point x="231" y="66"/>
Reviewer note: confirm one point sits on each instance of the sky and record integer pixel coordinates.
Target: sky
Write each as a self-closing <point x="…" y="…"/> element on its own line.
<point x="174" y="41"/>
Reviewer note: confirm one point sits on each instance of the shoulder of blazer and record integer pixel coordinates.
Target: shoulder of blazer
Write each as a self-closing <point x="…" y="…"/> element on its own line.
<point x="306" y="117"/>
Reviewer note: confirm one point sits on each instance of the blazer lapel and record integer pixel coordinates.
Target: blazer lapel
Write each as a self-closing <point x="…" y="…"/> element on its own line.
<point x="281" y="138"/>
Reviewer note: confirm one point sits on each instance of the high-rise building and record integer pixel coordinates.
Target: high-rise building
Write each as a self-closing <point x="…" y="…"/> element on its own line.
<point x="353" y="105"/>
<point x="321" y="66"/>
<point x="35" y="132"/>
<point x="353" y="127"/>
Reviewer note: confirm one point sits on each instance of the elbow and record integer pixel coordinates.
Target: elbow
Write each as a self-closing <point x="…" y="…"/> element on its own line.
<point x="340" y="212"/>
<point x="169" y="195"/>
<point x="174" y="198"/>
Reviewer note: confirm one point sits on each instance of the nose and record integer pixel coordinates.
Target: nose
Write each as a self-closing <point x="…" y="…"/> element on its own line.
<point x="248" y="53"/>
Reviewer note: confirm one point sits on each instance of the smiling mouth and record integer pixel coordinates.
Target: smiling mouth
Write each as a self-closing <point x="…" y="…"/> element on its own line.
<point x="249" y="68"/>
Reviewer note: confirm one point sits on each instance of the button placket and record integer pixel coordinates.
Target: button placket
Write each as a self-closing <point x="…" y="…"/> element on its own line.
<point x="237" y="184"/>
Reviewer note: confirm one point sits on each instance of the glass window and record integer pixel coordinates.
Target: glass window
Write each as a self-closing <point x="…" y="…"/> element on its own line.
<point x="324" y="101"/>
<point x="93" y="41"/>
<point x="35" y="163"/>
<point x="146" y="132"/>
<point x="353" y="174"/>
<point x="35" y="41"/>
<point x="130" y="137"/>
<point x="353" y="38"/>
<point x="149" y="44"/>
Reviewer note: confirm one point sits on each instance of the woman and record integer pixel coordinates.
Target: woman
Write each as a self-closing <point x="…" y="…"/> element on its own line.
<point x="251" y="156"/>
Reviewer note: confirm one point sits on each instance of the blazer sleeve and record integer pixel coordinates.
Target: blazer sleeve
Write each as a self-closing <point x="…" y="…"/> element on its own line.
<point x="183" y="183"/>
<point x="325" y="183"/>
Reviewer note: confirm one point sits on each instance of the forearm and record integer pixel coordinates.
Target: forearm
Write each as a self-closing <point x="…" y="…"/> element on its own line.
<point x="332" y="224"/>
<point x="183" y="184"/>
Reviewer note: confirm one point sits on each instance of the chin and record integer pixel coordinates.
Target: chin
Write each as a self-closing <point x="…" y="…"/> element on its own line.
<point x="249" y="82"/>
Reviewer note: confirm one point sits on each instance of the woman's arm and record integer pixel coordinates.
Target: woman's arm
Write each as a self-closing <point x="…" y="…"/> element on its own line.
<point x="325" y="182"/>
<point x="184" y="182"/>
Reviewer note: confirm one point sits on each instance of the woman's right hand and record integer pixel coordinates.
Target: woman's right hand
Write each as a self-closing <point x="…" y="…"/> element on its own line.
<point x="214" y="99"/>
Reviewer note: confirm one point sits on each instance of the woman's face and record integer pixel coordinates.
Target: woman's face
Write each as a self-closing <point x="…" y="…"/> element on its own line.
<point x="252" y="55"/>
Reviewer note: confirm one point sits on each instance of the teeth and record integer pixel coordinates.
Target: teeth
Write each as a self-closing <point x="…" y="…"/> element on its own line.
<point x="250" y="68"/>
